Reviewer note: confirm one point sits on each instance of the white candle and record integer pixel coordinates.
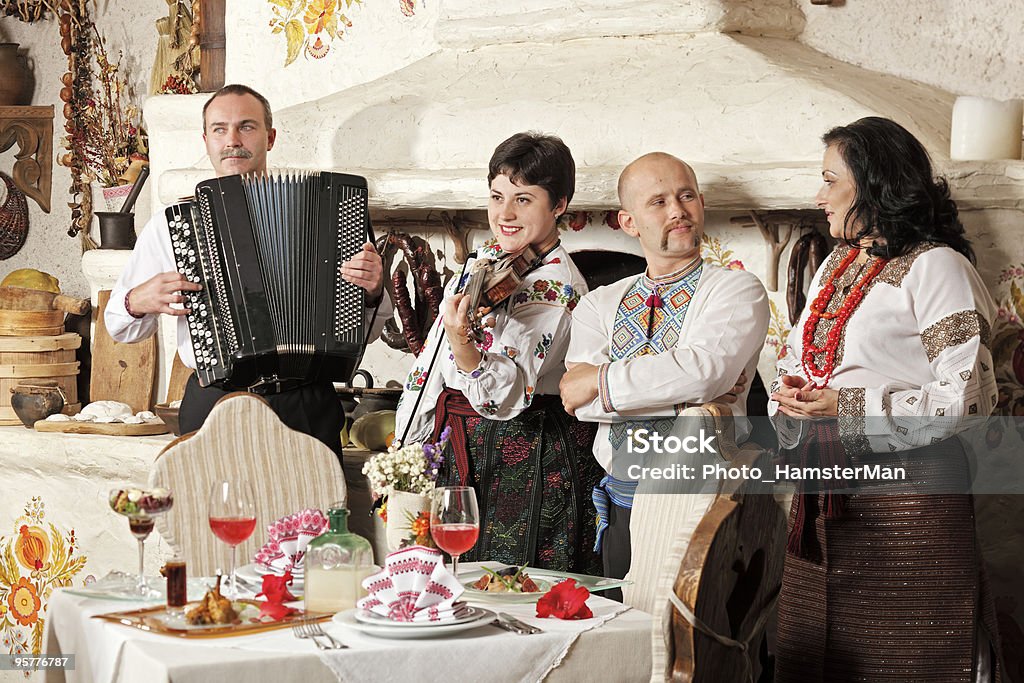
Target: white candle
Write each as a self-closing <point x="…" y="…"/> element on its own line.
<point x="984" y="128"/>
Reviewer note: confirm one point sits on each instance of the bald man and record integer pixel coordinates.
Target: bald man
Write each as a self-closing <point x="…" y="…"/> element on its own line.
<point x="648" y="345"/>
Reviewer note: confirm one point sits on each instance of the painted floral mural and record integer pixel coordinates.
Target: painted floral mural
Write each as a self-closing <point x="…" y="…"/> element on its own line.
<point x="718" y="254"/>
<point x="34" y="560"/>
<point x="1008" y="341"/>
<point x="310" y="27"/>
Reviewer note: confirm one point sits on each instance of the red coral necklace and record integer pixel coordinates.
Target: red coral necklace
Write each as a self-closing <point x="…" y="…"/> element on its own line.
<point x="820" y="377"/>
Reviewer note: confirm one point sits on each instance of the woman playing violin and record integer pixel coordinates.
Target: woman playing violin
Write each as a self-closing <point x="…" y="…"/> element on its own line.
<point x="497" y="386"/>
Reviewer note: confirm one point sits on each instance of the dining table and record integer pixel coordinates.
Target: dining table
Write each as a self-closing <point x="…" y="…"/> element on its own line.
<point x="613" y="645"/>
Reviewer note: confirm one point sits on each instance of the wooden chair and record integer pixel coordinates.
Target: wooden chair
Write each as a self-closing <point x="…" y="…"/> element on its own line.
<point x="241" y="439"/>
<point x="708" y="566"/>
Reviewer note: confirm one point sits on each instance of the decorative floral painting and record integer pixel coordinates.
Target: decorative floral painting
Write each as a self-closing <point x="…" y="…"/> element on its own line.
<point x="312" y="26"/>
<point x="718" y="254"/>
<point x="1008" y="341"/>
<point x="34" y="560"/>
<point x="778" y="331"/>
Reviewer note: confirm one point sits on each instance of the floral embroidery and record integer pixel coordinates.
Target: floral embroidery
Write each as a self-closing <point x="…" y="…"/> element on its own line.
<point x="490" y="407"/>
<point x="490" y="249"/>
<point x="543" y="345"/>
<point x="509" y="352"/>
<point x="416" y="380"/>
<point x="549" y="291"/>
<point x="528" y="395"/>
<point x="514" y="451"/>
<point x="486" y="343"/>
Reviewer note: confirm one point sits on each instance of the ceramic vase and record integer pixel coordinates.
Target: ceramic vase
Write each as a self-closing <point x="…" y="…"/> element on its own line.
<point x="14" y="77"/>
<point x="403" y="507"/>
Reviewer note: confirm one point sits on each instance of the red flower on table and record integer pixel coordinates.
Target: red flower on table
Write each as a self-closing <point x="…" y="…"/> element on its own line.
<point x="275" y="590"/>
<point x="565" y="600"/>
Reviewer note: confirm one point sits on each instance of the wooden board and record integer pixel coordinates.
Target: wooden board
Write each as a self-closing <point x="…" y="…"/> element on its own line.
<point x="179" y="378"/>
<point x="121" y="372"/>
<point x="105" y="428"/>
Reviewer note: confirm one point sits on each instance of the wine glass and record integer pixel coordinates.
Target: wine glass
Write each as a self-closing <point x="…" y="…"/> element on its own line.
<point x="232" y="515"/>
<point x="454" y="521"/>
<point x="140" y="506"/>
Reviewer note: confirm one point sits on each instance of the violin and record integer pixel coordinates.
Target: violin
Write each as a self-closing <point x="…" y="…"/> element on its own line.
<point x="492" y="281"/>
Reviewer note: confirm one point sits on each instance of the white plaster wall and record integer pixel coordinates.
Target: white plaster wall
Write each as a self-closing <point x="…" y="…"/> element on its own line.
<point x="964" y="46"/>
<point x="127" y="26"/>
<point x="380" y="40"/>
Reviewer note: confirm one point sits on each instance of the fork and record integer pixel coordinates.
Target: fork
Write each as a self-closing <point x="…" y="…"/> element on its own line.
<point x="301" y="630"/>
<point x="317" y="629"/>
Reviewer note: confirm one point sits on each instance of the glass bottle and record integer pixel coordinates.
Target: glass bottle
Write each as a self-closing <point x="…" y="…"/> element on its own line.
<point x="336" y="563"/>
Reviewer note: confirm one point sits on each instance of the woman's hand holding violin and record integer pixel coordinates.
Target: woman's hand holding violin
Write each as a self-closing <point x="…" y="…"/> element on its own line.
<point x="797" y="398"/>
<point x="456" y="328"/>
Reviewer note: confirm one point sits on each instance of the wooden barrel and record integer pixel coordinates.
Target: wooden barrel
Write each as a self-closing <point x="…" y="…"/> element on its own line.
<point x="31" y="323"/>
<point x="35" y="358"/>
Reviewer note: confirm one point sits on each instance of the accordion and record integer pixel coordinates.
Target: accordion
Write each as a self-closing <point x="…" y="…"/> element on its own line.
<point x="274" y="310"/>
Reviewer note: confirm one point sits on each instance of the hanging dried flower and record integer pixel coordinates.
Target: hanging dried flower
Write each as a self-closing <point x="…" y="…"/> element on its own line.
<point x="103" y="123"/>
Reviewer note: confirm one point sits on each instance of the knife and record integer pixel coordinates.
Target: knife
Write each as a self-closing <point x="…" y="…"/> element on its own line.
<point x="520" y="626"/>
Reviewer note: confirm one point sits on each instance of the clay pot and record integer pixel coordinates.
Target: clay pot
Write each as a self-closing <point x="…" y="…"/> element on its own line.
<point x="15" y="77"/>
<point x="36" y="401"/>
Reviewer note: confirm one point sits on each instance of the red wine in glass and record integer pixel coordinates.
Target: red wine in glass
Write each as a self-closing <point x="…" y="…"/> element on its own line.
<point x="232" y="516"/>
<point x="454" y="521"/>
<point x="455" y="539"/>
<point x="233" y="530"/>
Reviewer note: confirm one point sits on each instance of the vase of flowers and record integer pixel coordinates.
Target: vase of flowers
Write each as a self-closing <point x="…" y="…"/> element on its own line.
<point x="404" y="477"/>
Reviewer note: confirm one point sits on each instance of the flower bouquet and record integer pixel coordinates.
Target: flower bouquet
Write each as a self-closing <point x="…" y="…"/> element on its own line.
<point x="402" y="479"/>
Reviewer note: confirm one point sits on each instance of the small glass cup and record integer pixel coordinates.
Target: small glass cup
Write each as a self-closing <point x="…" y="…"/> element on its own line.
<point x="177" y="586"/>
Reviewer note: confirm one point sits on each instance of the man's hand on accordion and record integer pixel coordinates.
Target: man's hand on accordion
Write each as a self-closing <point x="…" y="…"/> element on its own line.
<point x="365" y="270"/>
<point x="156" y="294"/>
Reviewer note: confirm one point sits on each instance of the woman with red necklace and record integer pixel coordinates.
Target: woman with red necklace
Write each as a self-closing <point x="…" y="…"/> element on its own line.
<point x="885" y="583"/>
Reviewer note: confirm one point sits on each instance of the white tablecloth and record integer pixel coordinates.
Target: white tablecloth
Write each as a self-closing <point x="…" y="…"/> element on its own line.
<point x="616" y="650"/>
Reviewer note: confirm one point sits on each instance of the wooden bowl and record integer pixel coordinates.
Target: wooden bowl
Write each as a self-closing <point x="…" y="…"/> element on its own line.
<point x="169" y="416"/>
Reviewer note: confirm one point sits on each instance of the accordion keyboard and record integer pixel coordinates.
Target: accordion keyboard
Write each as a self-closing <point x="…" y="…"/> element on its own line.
<point x="190" y="248"/>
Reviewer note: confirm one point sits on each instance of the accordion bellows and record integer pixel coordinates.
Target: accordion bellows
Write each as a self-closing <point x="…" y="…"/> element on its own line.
<point x="267" y="250"/>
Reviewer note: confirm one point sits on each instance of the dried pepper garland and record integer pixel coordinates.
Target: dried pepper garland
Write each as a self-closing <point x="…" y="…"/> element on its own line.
<point x="103" y="135"/>
<point x="27" y="10"/>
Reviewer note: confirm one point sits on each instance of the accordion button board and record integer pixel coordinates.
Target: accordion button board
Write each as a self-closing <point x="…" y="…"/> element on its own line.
<point x="267" y="251"/>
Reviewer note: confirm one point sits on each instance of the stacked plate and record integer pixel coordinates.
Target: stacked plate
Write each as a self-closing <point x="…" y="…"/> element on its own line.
<point x="379" y="626"/>
<point x="254" y="573"/>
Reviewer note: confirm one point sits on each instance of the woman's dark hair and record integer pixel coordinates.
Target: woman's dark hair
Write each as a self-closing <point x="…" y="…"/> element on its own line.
<point x="898" y="198"/>
<point x="536" y="159"/>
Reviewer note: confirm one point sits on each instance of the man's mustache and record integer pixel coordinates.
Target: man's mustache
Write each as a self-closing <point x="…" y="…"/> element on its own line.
<point x="236" y="153"/>
<point x="665" y="235"/>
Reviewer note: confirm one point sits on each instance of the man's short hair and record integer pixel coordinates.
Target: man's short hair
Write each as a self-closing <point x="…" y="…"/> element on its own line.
<point x="239" y="89"/>
<point x="536" y="159"/>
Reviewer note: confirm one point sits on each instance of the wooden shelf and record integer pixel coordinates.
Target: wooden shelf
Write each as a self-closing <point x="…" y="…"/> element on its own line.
<point x="32" y="129"/>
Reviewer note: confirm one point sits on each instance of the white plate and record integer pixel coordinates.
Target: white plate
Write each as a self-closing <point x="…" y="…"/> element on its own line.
<point x="348" y="620"/>
<point x="544" y="578"/>
<point x="253" y="574"/>
<point x="367" y="617"/>
<point x="119" y="586"/>
<point x="263" y="571"/>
